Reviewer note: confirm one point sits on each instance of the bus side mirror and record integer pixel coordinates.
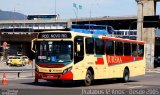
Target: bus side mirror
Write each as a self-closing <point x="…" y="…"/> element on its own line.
<point x="33" y="47"/>
<point x="78" y="47"/>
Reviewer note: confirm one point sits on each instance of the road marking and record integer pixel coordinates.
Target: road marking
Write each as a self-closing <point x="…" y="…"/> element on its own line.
<point x="148" y="75"/>
<point x="154" y="71"/>
<point x="135" y="87"/>
<point x="157" y="71"/>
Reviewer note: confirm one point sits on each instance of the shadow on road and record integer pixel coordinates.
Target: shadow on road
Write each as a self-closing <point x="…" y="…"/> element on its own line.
<point x="70" y="84"/>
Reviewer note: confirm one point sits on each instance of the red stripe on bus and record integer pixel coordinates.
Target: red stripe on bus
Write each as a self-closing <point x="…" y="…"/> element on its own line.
<point x="67" y="76"/>
<point x="127" y="59"/>
<point x="139" y="58"/>
<point x="51" y="65"/>
<point x="99" y="61"/>
<point x="54" y="76"/>
<point x="113" y="60"/>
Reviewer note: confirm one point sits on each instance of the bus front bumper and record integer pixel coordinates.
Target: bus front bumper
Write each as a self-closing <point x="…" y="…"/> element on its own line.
<point x="54" y="76"/>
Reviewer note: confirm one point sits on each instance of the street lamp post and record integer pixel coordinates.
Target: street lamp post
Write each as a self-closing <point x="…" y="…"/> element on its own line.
<point x="55" y="7"/>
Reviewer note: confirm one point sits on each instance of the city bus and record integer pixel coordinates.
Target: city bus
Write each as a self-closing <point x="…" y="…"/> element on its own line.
<point x="68" y="55"/>
<point x="127" y="34"/>
<point x="92" y="29"/>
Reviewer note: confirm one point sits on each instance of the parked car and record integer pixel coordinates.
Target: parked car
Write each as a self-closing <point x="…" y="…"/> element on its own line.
<point x="17" y="61"/>
<point x="8" y="61"/>
<point x="26" y="59"/>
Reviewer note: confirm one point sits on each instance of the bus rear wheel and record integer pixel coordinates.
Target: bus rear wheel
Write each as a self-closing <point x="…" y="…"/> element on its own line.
<point x="125" y="75"/>
<point x="89" y="78"/>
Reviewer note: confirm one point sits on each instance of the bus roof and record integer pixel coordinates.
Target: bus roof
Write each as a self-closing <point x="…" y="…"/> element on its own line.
<point x="123" y="40"/>
<point x="105" y="37"/>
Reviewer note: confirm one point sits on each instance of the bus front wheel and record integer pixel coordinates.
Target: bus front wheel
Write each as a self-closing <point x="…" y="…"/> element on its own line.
<point x="89" y="78"/>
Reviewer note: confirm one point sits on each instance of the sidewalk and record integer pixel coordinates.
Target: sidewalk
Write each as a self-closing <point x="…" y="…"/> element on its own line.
<point x="157" y="69"/>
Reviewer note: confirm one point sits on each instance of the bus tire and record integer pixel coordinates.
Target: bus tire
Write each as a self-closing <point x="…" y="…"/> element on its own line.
<point x="125" y="75"/>
<point x="89" y="78"/>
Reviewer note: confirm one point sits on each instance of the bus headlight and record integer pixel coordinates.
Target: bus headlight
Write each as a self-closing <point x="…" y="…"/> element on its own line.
<point x="67" y="70"/>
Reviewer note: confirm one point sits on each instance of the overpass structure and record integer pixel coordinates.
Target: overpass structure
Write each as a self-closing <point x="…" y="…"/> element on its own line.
<point x="36" y="25"/>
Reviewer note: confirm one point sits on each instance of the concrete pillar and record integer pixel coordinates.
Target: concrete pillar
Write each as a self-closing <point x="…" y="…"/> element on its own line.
<point x="146" y="8"/>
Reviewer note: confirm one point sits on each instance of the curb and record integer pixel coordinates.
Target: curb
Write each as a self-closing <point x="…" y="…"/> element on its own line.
<point x="154" y="70"/>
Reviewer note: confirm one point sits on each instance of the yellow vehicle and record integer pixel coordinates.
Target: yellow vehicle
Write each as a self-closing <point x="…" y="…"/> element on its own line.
<point x="17" y="61"/>
<point x="8" y="61"/>
<point x="26" y="59"/>
<point x="68" y="55"/>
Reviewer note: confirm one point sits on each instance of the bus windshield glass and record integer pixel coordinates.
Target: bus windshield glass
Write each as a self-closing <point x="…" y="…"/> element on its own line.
<point x="54" y="52"/>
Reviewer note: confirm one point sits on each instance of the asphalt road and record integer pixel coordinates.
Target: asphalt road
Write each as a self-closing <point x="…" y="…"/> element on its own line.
<point x="146" y="84"/>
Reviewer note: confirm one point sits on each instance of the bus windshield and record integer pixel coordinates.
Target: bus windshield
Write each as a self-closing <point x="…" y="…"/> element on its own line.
<point x="54" y="51"/>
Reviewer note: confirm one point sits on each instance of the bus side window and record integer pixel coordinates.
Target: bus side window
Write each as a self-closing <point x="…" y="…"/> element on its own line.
<point x="78" y="49"/>
<point x="109" y="47"/>
<point x="134" y="50"/>
<point x="140" y="50"/>
<point x="89" y="46"/>
<point x="127" y="49"/>
<point x="118" y="48"/>
<point x="99" y="46"/>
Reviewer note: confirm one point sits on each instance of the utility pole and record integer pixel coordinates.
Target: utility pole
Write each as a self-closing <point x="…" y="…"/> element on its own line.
<point x="13" y="19"/>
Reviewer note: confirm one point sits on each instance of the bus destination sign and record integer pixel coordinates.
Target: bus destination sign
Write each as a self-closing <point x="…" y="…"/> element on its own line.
<point x="54" y="35"/>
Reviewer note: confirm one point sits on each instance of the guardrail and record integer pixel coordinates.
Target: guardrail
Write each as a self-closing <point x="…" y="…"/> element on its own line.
<point x="18" y="71"/>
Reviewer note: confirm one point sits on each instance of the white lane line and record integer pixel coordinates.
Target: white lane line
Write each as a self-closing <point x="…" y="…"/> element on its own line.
<point x="135" y="87"/>
<point x="148" y="75"/>
<point x="157" y="71"/>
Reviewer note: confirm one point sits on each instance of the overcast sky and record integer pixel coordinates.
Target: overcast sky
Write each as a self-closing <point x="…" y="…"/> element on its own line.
<point x="66" y="10"/>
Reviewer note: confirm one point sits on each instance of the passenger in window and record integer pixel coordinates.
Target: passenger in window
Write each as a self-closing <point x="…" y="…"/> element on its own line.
<point x="140" y="52"/>
<point x="134" y="53"/>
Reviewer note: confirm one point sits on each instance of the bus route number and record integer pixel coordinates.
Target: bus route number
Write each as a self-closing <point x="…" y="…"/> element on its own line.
<point x="60" y="35"/>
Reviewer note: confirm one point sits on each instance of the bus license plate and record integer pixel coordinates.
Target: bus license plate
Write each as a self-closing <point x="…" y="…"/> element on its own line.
<point x="50" y="76"/>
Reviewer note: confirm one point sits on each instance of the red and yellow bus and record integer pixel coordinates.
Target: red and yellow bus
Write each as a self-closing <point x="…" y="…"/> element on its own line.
<point x="67" y="55"/>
